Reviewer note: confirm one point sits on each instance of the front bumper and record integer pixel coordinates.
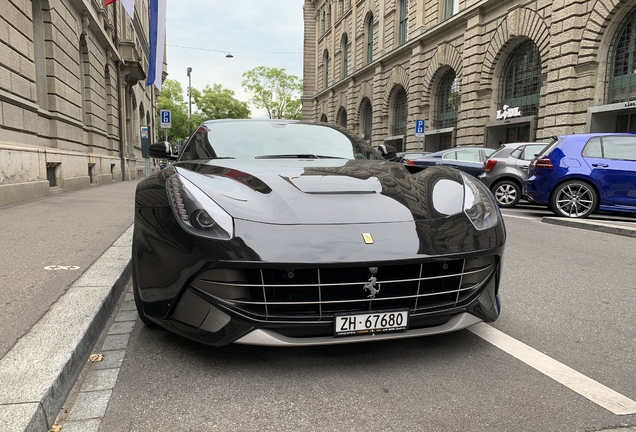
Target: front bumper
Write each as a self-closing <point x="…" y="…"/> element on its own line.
<point x="279" y="313"/>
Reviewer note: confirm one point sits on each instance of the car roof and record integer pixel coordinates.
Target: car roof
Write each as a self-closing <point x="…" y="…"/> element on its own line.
<point x="596" y="134"/>
<point x="441" y="152"/>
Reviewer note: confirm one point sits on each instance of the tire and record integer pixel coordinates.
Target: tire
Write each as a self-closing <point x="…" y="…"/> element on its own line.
<point x="574" y="199"/>
<point x="507" y="193"/>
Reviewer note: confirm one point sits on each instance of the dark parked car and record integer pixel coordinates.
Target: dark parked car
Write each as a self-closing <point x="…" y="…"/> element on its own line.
<point x="467" y="159"/>
<point x="404" y="157"/>
<point x="273" y="232"/>
<point x="577" y="175"/>
<point x="507" y="169"/>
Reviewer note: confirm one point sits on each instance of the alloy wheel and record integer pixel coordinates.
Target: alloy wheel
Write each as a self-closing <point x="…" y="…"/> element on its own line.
<point x="507" y="193"/>
<point x="575" y="200"/>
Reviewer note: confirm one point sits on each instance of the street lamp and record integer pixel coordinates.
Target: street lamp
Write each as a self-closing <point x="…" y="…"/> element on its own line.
<point x="189" y="101"/>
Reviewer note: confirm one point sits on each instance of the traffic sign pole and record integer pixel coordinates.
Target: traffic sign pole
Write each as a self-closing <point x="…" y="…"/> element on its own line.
<point x="420" y="130"/>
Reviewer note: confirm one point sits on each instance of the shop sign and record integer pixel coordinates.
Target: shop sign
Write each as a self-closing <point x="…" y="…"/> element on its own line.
<point x="630" y="104"/>
<point x="508" y="112"/>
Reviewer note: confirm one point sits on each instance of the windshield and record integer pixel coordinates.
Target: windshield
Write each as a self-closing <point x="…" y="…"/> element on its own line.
<point x="271" y="140"/>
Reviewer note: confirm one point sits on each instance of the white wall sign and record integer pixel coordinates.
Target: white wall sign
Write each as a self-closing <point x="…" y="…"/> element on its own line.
<point x="508" y="112"/>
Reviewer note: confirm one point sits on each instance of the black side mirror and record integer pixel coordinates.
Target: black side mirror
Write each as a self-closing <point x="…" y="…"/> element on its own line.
<point x="161" y="150"/>
<point x="387" y="152"/>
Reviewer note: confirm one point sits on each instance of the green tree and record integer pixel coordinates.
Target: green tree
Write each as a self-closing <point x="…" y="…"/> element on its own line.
<point x="171" y="98"/>
<point x="217" y="102"/>
<point x="274" y="91"/>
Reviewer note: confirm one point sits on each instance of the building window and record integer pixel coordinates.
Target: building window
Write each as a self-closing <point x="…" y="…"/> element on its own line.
<point x="367" y="120"/>
<point x="370" y="39"/>
<point x="521" y="82"/>
<point x="451" y="7"/>
<point x="39" y="54"/>
<point x="323" y="22"/>
<point x="323" y="118"/>
<point x="326" y="62"/>
<point x="622" y="82"/>
<point x="347" y="4"/>
<point x="400" y="113"/>
<point x="342" y="117"/>
<point x="84" y="71"/>
<point x="345" y="56"/>
<point x="403" y="27"/>
<point x="447" y="101"/>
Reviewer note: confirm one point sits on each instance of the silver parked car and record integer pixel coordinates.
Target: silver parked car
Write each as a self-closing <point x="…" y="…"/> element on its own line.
<point x="507" y="169"/>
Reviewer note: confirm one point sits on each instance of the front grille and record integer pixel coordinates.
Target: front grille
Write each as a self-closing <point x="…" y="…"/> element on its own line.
<point x="316" y="294"/>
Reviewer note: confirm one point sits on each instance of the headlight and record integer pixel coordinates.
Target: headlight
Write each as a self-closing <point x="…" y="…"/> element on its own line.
<point x="479" y="205"/>
<point x="196" y="212"/>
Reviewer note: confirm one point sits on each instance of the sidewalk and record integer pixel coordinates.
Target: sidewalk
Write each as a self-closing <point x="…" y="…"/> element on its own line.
<point x="68" y="266"/>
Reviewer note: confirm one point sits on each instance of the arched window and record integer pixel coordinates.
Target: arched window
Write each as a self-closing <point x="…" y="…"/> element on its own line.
<point x="447" y="101"/>
<point x="370" y="39"/>
<point x="367" y="120"/>
<point x="403" y="26"/>
<point x="323" y="118"/>
<point x="400" y="113"/>
<point x="327" y="65"/>
<point x="521" y="84"/>
<point x="345" y="56"/>
<point x="342" y="117"/>
<point x="622" y="77"/>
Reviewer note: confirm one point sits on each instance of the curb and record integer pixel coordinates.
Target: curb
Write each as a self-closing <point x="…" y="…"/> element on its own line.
<point x="611" y="228"/>
<point x="38" y="373"/>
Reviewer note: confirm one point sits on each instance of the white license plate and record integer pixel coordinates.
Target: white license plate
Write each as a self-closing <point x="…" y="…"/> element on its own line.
<point x="379" y="322"/>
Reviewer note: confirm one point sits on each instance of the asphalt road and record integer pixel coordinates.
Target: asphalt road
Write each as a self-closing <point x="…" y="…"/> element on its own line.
<point x="567" y="293"/>
<point x="48" y="243"/>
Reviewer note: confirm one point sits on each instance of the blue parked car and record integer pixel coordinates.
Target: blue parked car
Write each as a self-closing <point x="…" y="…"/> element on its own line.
<point x="577" y="175"/>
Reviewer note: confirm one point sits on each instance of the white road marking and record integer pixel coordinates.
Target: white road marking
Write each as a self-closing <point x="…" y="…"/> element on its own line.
<point x="61" y="267"/>
<point x="521" y="217"/>
<point x="575" y="381"/>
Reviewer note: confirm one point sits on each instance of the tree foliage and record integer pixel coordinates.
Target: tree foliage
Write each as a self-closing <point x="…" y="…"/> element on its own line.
<point x="217" y="102"/>
<point x="213" y="102"/>
<point x="171" y="98"/>
<point x="274" y="91"/>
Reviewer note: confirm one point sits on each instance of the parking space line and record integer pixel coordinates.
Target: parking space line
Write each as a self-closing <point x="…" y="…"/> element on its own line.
<point x="575" y="381"/>
<point x="521" y="217"/>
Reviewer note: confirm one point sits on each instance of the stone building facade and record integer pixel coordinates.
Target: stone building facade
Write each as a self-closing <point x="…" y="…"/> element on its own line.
<point x="74" y="105"/>
<point x="479" y="72"/>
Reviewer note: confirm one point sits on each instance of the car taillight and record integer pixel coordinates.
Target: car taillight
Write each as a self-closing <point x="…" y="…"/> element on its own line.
<point x="410" y="162"/>
<point x="490" y="165"/>
<point x="543" y="163"/>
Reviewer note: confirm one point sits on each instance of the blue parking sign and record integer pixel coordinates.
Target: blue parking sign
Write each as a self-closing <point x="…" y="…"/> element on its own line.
<point x="166" y="119"/>
<point x="420" y="126"/>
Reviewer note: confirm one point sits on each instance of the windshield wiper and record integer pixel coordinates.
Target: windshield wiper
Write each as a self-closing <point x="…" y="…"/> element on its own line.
<point x="297" y="156"/>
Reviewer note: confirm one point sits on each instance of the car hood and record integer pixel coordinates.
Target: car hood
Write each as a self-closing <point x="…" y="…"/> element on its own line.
<point x="319" y="191"/>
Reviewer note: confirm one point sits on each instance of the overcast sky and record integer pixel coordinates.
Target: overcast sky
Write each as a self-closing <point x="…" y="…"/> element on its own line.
<point x="255" y="32"/>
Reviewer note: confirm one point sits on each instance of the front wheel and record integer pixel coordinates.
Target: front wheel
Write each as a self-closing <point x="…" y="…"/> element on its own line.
<point x="507" y="193"/>
<point x="574" y="199"/>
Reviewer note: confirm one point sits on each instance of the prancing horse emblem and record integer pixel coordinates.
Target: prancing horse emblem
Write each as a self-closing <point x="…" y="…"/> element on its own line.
<point x="371" y="287"/>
